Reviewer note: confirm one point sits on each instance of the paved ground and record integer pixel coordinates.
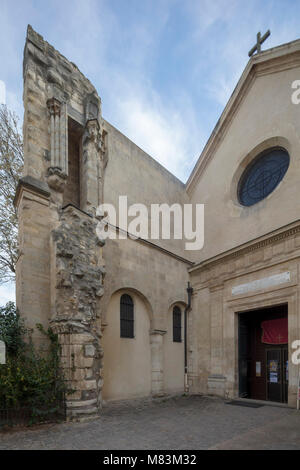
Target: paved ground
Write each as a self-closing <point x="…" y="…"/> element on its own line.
<point x="177" y="423"/>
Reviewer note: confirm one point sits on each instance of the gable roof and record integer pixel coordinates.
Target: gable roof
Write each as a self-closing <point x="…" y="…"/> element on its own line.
<point x="272" y="60"/>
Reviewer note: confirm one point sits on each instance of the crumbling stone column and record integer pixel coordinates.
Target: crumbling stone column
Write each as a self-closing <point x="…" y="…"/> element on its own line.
<point x="94" y="156"/>
<point x="78" y="274"/>
<point x="60" y="268"/>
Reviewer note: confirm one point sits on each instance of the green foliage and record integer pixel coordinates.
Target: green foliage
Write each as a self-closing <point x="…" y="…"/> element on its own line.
<point x="31" y="377"/>
<point x="12" y="329"/>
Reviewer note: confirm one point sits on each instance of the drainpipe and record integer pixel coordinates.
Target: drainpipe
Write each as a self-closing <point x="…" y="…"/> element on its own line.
<point x="186" y="310"/>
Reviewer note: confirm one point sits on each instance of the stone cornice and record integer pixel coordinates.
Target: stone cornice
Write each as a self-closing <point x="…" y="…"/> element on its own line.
<point x="72" y="208"/>
<point x="158" y="332"/>
<point x="34" y="185"/>
<point x="268" y="239"/>
<point x="270" y="61"/>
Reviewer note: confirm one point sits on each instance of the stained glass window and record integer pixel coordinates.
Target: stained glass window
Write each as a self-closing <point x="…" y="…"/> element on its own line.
<point x="262" y="176"/>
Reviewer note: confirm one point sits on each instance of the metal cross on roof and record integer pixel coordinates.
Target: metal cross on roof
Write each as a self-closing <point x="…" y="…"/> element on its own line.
<point x="259" y="42"/>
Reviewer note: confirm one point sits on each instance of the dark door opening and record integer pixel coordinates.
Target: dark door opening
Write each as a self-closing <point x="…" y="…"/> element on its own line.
<point x="72" y="187"/>
<point x="263" y="358"/>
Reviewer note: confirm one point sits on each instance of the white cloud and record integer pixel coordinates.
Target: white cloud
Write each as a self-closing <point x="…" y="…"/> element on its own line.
<point x="7" y="293"/>
<point x="2" y="92"/>
<point x="118" y="49"/>
<point x="161" y="133"/>
<point x="225" y="55"/>
<point x="166" y="129"/>
<point x="207" y="13"/>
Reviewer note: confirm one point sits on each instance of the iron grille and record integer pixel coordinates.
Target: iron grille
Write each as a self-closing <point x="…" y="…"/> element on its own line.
<point x="126" y="317"/>
<point x="176" y="325"/>
<point x="29" y="415"/>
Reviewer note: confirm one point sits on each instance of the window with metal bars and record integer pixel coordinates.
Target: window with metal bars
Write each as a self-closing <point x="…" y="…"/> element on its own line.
<point x="126" y="317"/>
<point x="176" y="325"/>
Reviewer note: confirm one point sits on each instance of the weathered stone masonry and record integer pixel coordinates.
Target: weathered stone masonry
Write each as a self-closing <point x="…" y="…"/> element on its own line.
<point x="60" y="270"/>
<point x="77" y="281"/>
<point x="59" y="251"/>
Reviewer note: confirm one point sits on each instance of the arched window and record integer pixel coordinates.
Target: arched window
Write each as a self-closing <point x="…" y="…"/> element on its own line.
<point x="126" y="317"/>
<point x="176" y="324"/>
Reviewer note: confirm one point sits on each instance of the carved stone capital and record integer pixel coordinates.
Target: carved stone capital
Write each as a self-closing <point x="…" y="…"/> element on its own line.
<point x="54" y="106"/>
<point x="92" y="132"/>
<point x="92" y="107"/>
<point x="158" y="332"/>
<point x="56" y="179"/>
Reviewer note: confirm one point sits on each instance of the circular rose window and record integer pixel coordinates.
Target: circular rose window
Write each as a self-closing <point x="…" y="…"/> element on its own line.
<point x="262" y="176"/>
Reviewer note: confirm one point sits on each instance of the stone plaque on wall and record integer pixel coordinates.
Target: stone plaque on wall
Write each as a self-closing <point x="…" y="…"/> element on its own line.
<point x="264" y="283"/>
<point x="2" y="353"/>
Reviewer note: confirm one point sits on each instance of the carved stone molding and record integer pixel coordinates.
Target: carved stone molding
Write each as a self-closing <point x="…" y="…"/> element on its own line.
<point x="32" y="184"/>
<point x="158" y="332"/>
<point x="54" y="106"/>
<point x="281" y="246"/>
<point x="280" y="235"/>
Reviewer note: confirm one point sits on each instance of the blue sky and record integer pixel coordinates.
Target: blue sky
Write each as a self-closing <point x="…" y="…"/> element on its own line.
<point x="163" y="68"/>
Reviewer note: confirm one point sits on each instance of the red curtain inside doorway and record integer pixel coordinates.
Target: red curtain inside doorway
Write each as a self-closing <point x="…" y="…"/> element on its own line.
<point x="275" y="331"/>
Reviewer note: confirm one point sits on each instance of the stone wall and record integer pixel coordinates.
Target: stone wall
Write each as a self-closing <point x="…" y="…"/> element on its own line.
<point x="60" y="269"/>
<point x="74" y="160"/>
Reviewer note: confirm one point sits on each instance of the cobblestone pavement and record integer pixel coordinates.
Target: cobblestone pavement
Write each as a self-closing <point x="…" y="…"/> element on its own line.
<point x="177" y="423"/>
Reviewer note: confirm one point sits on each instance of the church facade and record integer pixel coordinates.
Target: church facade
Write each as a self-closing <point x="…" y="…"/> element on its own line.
<point x="128" y="323"/>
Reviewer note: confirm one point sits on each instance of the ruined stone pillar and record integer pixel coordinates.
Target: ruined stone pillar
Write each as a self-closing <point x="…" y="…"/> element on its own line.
<point x="60" y="268"/>
<point x="77" y="274"/>
<point x="157" y="361"/>
<point x="94" y="156"/>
